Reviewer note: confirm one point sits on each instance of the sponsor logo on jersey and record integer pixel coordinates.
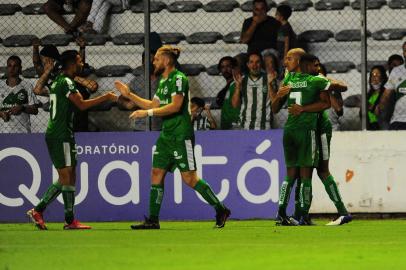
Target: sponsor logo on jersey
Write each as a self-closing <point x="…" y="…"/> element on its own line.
<point x="298" y="84"/>
<point x="22" y="95"/>
<point x="165" y="91"/>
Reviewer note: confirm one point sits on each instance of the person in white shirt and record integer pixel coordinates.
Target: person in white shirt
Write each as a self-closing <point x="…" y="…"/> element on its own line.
<point x="17" y="100"/>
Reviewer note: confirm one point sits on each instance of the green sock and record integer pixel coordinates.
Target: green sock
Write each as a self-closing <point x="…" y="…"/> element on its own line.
<point x="68" y="194"/>
<point x="284" y="195"/>
<point x="156" y="196"/>
<point x="297" y="198"/>
<point x="52" y="192"/>
<point x="205" y="190"/>
<point x="332" y="190"/>
<point x="305" y="196"/>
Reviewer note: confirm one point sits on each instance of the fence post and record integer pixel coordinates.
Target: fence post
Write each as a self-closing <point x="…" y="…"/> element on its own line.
<point x="147" y="52"/>
<point x="364" y="64"/>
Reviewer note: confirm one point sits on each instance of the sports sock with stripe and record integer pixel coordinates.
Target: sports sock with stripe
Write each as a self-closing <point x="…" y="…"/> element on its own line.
<point x="284" y="195"/>
<point x="68" y="194"/>
<point x="156" y="196"/>
<point x="50" y="195"/>
<point x="207" y="193"/>
<point x="332" y="190"/>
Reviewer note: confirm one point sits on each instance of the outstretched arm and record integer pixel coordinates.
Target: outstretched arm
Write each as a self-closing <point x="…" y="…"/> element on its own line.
<point x="124" y="89"/>
<point x="155" y="110"/>
<point x="81" y="104"/>
<point x="319" y="106"/>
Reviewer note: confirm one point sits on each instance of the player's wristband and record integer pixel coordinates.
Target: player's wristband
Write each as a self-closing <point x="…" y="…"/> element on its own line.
<point x="150" y="112"/>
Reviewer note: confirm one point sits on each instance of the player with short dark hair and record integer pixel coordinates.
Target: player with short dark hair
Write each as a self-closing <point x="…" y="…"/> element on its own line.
<point x="175" y="145"/>
<point x="324" y="136"/>
<point x="60" y="139"/>
<point x="306" y="96"/>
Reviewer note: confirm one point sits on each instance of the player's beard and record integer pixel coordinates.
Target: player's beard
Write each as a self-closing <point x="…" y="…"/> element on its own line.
<point x="158" y="71"/>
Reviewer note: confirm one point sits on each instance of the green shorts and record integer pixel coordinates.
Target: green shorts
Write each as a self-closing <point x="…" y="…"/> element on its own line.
<point x="324" y="146"/>
<point x="62" y="152"/>
<point x="300" y="148"/>
<point x="170" y="154"/>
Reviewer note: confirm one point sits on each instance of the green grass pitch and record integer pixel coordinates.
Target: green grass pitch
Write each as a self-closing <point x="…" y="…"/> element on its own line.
<point x="365" y="244"/>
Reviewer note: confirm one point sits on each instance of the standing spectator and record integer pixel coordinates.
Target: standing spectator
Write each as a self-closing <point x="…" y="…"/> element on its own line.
<point x="393" y="61"/>
<point x="229" y="115"/>
<point x="17" y="100"/>
<point x="98" y="14"/>
<point x="377" y="81"/>
<point x="86" y="88"/>
<point x="336" y="110"/>
<point x="252" y="94"/>
<point x="260" y="31"/>
<point x="200" y="121"/>
<point x="56" y="8"/>
<point x="45" y="64"/>
<point x="286" y="35"/>
<point x="396" y="85"/>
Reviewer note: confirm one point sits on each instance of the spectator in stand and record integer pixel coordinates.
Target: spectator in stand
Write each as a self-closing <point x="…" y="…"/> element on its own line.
<point x="17" y="100"/>
<point x="86" y="87"/>
<point x="377" y="81"/>
<point x="396" y="86"/>
<point x="137" y="86"/>
<point x="273" y="71"/>
<point x="46" y="66"/>
<point x="393" y="61"/>
<point x="252" y="95"/>
<point x="201" y="121"/>
<point x="286" y="35"/>
<point x="260" y="31"/>
<point x="336" y="110"/>
<point x="56" y="8"/>
<point x="229" y="115"/>
<point x="98" y="14"/>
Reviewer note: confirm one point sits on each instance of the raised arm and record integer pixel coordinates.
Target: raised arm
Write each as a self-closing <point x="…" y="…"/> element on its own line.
<point x="124" y="89"/>
<point x="336" y="85"/>
<point x="280" y="98"/>
<point x="39" y="88"/>
<point x="236" y="98"/>
<point x="92" y="85"/>
<point x="36" y="59"/>
<point x="248" y="30"/>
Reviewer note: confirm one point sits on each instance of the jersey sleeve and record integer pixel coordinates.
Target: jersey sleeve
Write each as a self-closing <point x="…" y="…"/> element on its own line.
<point x="181" y="86"/>
<point x="391" y="83"/>
<point x="320" y="83"/>
<point x="69" y="87"/>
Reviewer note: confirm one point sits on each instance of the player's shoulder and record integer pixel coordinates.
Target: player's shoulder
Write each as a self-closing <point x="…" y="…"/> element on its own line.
<point x="398" y="71"/>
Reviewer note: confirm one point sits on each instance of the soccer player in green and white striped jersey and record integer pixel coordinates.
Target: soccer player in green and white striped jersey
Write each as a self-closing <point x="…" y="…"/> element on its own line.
<point x="252" y="94"/>
<point x="60" y="140"/>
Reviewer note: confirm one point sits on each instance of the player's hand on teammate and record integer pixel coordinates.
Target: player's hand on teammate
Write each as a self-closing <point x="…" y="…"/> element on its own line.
<point x="16" y="110"/>
<point x="283" y="91"/>
<point x="139" y="114"/>
<point x="295" y="109"/>
<point x="5" y="116"/>
<point x="123" y="88"/>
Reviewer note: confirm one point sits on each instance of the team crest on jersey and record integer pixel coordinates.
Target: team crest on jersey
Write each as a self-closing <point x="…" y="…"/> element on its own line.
<point x="165" y="91"/>
<point x="21" y="95"/>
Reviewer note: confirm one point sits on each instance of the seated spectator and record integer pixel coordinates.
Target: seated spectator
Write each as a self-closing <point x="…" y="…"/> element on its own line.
<point x="200" y="121"/>
<point x="396" y="85"/>
<point x="393" y="61"/>
<point x="98" y="14"/>
<point x="17" y="100"/>
<point x="229" y="115"/>
<point x="377" y="81"/>
<point x="260" y="31"/>
<point x="56" y="8"/>
<point x="286" y="35"/>
<point x="252" y="94"/>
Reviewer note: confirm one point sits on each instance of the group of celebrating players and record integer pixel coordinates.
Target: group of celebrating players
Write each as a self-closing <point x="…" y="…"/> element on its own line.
<point x="306" y="139"/>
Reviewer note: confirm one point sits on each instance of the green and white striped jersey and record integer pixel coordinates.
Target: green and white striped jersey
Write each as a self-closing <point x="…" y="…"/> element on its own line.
<point x="255" y="110"/>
